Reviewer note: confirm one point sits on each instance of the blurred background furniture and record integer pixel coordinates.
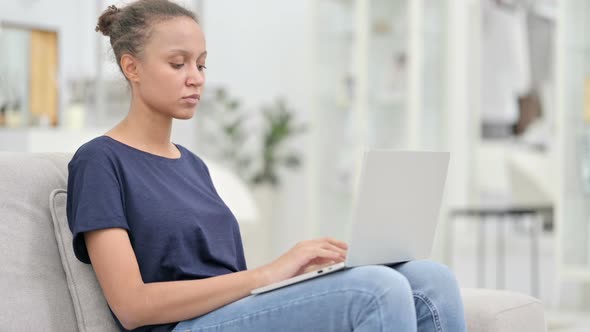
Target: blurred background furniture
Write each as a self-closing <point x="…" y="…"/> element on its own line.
<point x="501" y="215"/>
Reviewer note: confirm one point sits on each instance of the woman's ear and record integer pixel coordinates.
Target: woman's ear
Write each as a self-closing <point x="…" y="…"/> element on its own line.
<point x="130" y="67"/>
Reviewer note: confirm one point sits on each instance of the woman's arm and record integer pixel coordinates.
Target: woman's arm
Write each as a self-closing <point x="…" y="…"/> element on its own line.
<point x="136" y="303"/>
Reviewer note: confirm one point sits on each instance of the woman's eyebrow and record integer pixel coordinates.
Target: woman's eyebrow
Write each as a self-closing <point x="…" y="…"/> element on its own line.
<point x="185" y="52"/>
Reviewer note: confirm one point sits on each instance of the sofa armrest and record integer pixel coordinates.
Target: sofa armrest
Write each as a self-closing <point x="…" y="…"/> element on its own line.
<point x="502" y="311"/>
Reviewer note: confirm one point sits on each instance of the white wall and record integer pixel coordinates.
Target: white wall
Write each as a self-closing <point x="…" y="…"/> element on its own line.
<point x="259" y="51"/>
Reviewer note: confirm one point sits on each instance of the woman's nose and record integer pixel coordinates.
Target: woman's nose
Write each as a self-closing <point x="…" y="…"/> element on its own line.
<point x="196" y="77"/>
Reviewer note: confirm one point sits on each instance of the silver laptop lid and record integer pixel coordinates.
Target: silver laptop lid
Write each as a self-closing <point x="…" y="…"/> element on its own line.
<point x="396" y="207"/>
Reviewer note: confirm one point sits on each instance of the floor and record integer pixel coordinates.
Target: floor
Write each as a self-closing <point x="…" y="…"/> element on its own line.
<point x="568" y="322"/>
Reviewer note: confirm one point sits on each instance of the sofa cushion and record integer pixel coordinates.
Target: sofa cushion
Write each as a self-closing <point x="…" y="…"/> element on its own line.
<point x="502" y="311"/>
<point x="32" y="281"/>
<point x="90" y="305"/>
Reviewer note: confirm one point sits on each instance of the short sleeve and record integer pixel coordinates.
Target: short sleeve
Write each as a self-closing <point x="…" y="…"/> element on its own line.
<point x="95" y="199"/>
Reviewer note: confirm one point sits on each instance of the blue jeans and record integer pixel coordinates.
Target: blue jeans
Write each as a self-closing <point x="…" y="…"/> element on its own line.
<point x="415" y="296"/>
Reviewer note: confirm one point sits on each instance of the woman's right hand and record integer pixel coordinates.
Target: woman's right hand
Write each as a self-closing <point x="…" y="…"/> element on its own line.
<point x="305" y="254"/>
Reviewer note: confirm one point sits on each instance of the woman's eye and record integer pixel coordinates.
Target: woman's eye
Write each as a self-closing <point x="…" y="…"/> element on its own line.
<point x="201" y="67"/>
<point x="177" y="65"/>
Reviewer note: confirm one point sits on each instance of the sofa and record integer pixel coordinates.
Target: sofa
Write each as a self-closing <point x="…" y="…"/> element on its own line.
<point x="44" y="288"/>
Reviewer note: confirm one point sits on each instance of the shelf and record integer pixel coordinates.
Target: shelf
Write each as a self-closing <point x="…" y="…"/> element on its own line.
<point x="576" y="46"/>
<point x="577" y="272"/>
<point x="362" y="91"/>
<point x="572" y="70"/>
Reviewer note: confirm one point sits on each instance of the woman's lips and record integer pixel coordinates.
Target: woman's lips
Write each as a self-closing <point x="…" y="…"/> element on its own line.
<point x="192" y="99"/>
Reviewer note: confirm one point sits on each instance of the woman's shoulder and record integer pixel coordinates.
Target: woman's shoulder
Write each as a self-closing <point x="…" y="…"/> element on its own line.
<point x="188" y="154"/>
<point x="194" y="158"/>
<point x="95" y="150"/>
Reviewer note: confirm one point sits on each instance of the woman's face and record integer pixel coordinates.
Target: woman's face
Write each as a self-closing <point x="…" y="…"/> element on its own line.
<point x="171" y="71"/>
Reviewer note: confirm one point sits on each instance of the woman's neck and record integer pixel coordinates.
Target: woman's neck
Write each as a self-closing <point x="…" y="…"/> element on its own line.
<point x="146" y="129"/>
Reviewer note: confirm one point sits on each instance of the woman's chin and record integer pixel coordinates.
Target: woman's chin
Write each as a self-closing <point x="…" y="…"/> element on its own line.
<point x="185" y="114"/>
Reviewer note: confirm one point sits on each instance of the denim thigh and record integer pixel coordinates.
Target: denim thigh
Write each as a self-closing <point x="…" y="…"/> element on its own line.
<point x="368" y="298"/>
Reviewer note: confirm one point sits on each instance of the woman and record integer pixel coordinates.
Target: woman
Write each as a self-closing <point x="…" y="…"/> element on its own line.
<point x="167" y="251"/>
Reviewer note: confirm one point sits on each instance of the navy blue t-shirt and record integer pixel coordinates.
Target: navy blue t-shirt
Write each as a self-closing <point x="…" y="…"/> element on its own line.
<point x="179" y="227"/>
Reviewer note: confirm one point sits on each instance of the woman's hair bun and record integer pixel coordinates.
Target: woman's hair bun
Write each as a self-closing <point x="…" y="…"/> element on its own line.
<point x="106" y="19"/>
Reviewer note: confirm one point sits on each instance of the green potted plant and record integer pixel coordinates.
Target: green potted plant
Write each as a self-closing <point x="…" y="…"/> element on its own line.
<point x="224" y="131"/>
<point x="258" y="157"/>
<point x="278" y="127"/>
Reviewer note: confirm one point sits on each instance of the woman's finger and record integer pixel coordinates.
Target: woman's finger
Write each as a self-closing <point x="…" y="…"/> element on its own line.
<point x="338" y="243"/>
<point x="329" y="246"/>
<point x="330" y="254"/>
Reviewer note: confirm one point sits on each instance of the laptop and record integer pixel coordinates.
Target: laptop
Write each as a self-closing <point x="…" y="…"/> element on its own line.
<point x="395" y="211"/>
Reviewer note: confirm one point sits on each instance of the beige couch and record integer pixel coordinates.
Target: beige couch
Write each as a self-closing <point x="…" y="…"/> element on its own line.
<point x="38" y="295"/>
